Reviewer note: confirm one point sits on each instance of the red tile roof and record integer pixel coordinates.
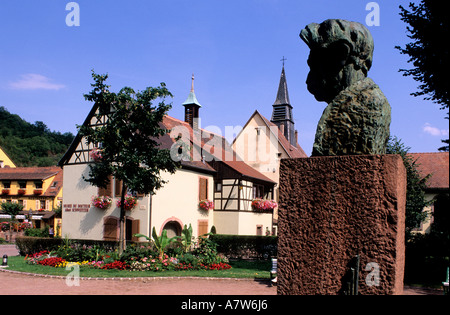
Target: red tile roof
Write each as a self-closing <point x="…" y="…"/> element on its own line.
<point x="28" y="173"/>
<point x="35" y="173"/>
<point x="436" y="164"/>
<point x="217" y="146"/>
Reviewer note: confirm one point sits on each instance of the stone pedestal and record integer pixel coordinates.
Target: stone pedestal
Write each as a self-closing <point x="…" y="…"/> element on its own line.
<point x="333" y="208"/>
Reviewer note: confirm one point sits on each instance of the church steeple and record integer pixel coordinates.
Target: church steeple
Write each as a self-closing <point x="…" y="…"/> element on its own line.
<point x="191" y="107"/>
<point x="282" y="110"/>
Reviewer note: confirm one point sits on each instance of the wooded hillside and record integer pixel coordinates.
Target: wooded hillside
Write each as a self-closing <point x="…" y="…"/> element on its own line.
<point x="31" y="144"/>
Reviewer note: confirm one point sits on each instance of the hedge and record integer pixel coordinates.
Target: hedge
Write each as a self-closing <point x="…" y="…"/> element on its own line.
<point x="246" y="246"/>
<point x="232" y="246"/>
<point x="28" y="245"/>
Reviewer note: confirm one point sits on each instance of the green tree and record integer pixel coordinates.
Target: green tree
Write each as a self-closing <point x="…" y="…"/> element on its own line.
<point x="429" y="28"/>
<point x="31" y="144"/>
<point x="415" y="189"/>
<point x="12" y="209"/>
<point x="129" y="148"/>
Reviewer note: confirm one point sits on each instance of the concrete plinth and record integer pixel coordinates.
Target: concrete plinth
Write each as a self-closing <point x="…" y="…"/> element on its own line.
<point x="333" y="208"/>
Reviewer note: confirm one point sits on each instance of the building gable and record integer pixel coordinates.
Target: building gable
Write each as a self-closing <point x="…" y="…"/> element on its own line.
<point x="5" y="160"/>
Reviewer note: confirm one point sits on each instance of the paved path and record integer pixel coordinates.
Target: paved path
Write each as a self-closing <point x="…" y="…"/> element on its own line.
<point x="16" y="283"/>
<point x="9" y="250"/>
<point x="13" y="283"/>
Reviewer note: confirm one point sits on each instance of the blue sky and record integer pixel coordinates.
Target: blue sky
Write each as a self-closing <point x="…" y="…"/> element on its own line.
<point x="233" y="48"/>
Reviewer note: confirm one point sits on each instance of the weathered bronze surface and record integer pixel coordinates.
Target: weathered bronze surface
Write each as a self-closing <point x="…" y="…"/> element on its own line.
<point x="358" y="115"/>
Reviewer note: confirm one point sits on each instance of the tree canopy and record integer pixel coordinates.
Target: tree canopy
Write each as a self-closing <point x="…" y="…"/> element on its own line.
<point x="31" y="144"/>
<point x="128" y="142"/>
<point x="429" y="29"/>
<point x="415" y="187"/>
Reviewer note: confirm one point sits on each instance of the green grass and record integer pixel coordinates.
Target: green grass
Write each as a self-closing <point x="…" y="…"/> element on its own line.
<point x="240" y="269"/>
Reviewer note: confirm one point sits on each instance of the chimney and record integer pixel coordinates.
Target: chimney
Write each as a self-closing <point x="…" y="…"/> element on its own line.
<point x="296" y="138"/>
<point x="282" y="128"/>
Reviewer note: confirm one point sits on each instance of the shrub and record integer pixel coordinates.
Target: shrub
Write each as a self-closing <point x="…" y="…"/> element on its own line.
<point x="37" y="232"/>
<point x="28" y="245"/>
<point x="246" y="246"/>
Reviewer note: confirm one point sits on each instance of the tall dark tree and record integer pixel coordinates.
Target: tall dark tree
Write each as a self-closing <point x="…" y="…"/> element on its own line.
<point x="129" y="140"/>
<point x="429" y="28"/>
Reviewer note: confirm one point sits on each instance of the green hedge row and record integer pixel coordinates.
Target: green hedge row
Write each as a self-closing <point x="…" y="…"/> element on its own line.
<point x="232" y="246"/>
<point x="246" y="246"/>
<point x="28" y="245"/>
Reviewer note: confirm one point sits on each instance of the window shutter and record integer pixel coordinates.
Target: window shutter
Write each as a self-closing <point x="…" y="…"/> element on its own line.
<point x="134" y="230"/>
<point x="110" y="229"/>
<point x="117" y="187"/>
<point x="106" y="191"/>
<point x="38" y="204"/>
<point x="203" y="188"/>
<point x="202" y="227"/>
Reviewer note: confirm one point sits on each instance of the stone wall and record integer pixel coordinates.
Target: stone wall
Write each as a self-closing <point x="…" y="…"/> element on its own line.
<point x="333" y="208"/>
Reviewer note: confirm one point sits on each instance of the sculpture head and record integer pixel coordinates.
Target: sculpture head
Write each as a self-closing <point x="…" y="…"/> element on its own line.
<point x="341" y="54"/>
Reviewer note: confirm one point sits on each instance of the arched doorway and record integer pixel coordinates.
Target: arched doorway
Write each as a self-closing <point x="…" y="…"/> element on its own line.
<point x="173" y="228"/>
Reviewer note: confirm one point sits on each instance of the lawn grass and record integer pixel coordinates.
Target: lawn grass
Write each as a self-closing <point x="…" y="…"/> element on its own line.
<point x="240" y="269"/>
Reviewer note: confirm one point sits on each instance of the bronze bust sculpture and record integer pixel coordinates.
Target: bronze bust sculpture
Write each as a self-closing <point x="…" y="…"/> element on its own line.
<point x="358" y="115"/>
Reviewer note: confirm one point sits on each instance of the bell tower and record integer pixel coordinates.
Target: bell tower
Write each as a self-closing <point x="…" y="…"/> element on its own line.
<point x="282" y="110"/>
<point x="191" y="108"/>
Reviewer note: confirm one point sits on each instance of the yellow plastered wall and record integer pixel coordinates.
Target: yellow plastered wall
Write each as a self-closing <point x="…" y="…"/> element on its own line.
<point x="5" y="161"/>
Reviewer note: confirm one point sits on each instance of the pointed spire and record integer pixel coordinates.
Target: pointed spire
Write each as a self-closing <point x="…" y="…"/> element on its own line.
<point x="192" y="99"/>
<point x="191" y="108"/>
<point x="282" y="110"/>
<point x="282" y="94"/>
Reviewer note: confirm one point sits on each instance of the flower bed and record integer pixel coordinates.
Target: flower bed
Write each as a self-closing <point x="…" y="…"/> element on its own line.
<point x="203" y="256"/>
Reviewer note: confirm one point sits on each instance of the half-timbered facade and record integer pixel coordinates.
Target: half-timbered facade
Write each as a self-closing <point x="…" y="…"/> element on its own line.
<point x="207" y="167"/>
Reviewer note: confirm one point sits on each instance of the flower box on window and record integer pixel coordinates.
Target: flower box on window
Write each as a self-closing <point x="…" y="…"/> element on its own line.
<point x="96" y="154"/>
<point x="101" y="202"/>
<point x="263" y="205"/>
<point x="37" y="192"/>
<point x="21" y="192"/>
<point x="129" y="204"/>
<point x="206" y="205"/>
<point x="5" y="191"/>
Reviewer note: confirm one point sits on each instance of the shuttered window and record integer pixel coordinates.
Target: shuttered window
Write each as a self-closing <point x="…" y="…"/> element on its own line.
<point x="203" y="188"/>
<point x="106" y="191"/>
<point x="110" y="229"/>
<point x="118" y="187"/>
<point x="134" y="230"/>
<point x="202" y="227"/>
